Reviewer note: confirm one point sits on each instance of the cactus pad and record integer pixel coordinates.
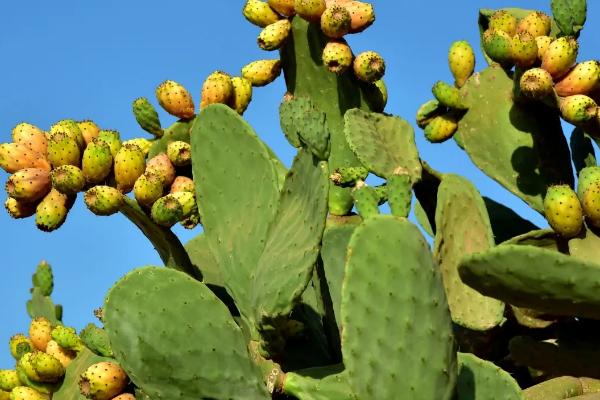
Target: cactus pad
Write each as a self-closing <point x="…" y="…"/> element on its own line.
<point x="482" y="380"/>
<point x="303" y="123"/>
<point x="69" y="390"/>
<point x="321" y="383"/>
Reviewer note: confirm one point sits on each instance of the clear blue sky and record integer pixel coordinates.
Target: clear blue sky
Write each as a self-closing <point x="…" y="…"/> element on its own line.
<point x="90" y="59"/>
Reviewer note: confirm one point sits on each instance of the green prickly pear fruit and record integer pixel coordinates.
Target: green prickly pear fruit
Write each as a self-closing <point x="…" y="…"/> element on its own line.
<point x="29" y="184"/>
<point x="142" y="143"/>
<point x="502" y="20"/>
<point x="39" y="332"/>
<point x="496" y="45"/>
<point x="337" y="56"/>
<point x="27" y="393"/>
<point x="523" y="50"/>
<point x="369" y="66"/>
<point x="167" y="211"/>
<point x="182" y="184"/>
<point x="242" y="94"/>
<point x="112" y="138"/>
<point x="30" y="136"/>
<point x="192" y="221"/>
<point x="273" y="36"/>
<point x="587" y="176"/>
<point x="283" y="7"/>
<point x="43" y="279"/>
<point x="560" y="56"/>
<point x="26" y="366"/>
<point x="543" y="42"/>
<point x="536" y="83"/>
<point x="9" y="379"/>
<point x="584" y="78"/>
<point x="536" y="24"/>
<point x="175" y="99"/>
<point x="217" y="88"/>
<point x="441" y="128"/>
<point x="146" y="116"/>
<point x="310" y="10"/>
<point x="89" y="130"/>
<point x="345" y="176"/>
<point x="578" y="108"/>
<point x="19" y="345"/>
<point x="61" y="354"/>
<point x="63" y="149"/>
<point x="362" y="15"/>
<point x="461" y="60"/>
<point x="67" y="338"/>
<point x="97" y="161"/>
<point x="71" y="129"/>
<point x="259" y="13"/>
<point x="365" y="200"/>
<point x="563" y="210"/>
<point x="429" y="111"/>
<point x="590" y="203"/>
<point x="130" y="164"/>
<point x="103" y="381"/>
<point x="103" y="200"/>
<point x="448" y="95"/>
<point x="15" y="156"/>
<point x="180" y="153"/>
<point x="96" y="340"/>
<point x="163" y="168"/>
<point x="147" y="189"/>
<point x="68" y="179"/>
<point x="19" y="209"/>
<point x="52" y="211"/>
<point x="187" y="201"/>
<point x="46" y="366"/>
<point x="262" y="72"/>
<point x="335" y="21"/>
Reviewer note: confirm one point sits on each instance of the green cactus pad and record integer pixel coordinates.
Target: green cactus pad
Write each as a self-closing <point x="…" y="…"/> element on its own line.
<point x="43" y="278"/>
<point x="397" y="332"/>
<point x="303" y="123"/>
<point x="383" y="143"/>
<point x="564" y="387"/>
<point x="42" y="306"/>
<point x="531" y="318"/>
<point x="482" y="380"/>
<point x="69" y="389"/>
<point x="570" y="15"/>
<point x="463" y="228"/>
<point x="542" y="238"/>
<point x="146" y="116"/>
<point x="422" y="219"/>
<point x="178" y="131"/>
<point x="399" y="194"/>
<point x="151" y="338"/>
<point x="96" y="339"/>
<point x="199" y="251"/>
<point x="585" y="246"/>
<point x="321" y="383"/>
<point x="582" y="150"/>
<point x="521" y="148"/>
<point x="527" y="276"/>
<point x="365" y="201"/>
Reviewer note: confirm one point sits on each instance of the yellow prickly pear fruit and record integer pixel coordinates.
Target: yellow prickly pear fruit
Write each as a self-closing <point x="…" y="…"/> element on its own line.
<point x="179" y="153"/>
<point x="578" y="108"/>
<point x="182" y="184"/>
<point x="163" y="168"/>
<point x="63" y="149"/>
<point x="217" y="88"/>
<point x="543" y="42"/>
<point x="25" y="365"/>
<point x="362" y="15"/>
<point x="242" y="94"/>
<point x="274" y="35"/>
<point x="124" y="396"/>
<point x="369" y="66"/>
<point x="147" y="189"/>
<point x="30" y="136"/>
<point x="97" y="161"/>
<point x="68" y="179"/>
<point x="18" y="209"/>
<point x="563" y="210"/>
<point x="27" y="393"/>
<point x="52" y="212"/>
<point x="19" y="345"/>
<point x="29" y="184"/>
<point x="16" y="156"/>
<point x="187" y="201"/>
<point x="9" y="379"/>
<point x="61" y="354"/>
<point x="47" y="367"/>
<point x="560" y="56"/>
<point x="523" y="50"/>
<point x="441" y="128"/>
<point x="283" y="7"/>
<point x="536" y="83"/>
<point x="262" y="72"/>
<point x="89" y="130"/>
<point x="590" y="202"/>
<point x="584" y="78"/>
<point x="497" y="44"/>
<point x="175" y="99"/>
<point x="112" y="138"/>
<point x="143" y="143"/>
<point x="536" y="24"/>
<point x="310" y="10"/>
<point x="461" y="60"/>
<point x="130" y="163"/>
<point x="4" y="395"/>
<point x="259" y="13"/>
<point x="103" y="200"/>
<point x="337" y="56"/>
<point x="39" y="332"/>
<point x="335" y="22"/>
<point x="502" y="20"/>
<point x="71" y="129"/>
<point x="103" y="381"/>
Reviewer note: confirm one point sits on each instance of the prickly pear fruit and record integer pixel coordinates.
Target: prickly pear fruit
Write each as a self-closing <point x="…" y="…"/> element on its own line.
<point x="563" y="210"/>
<point x="461" y="60"/>
<point x="335" y="22"/>
<point x="560" y="56"/>
<point x="42" y="279"/>
<point x="167" y="211"/>
<point x="187" y="201"/>
<point x="262" y="72"/>
<point x="67" y="338"/>
<point x="89" y="130"/>
<point x="590" y="203"/>
<point x="112" y="138"/>
<point x="103" y="200"/>
<point x="19" y="345"/>
<point x="441" y="128"/>
<point x="259" y="13"/>
<point x="429" y="111"/>
<point x="39" y="332"/>
<point x="163" y="168"/>
<point x="578" y="108"/>
<point x="29" y="184"/>
<point x="523" y="50"/>
<point x="365" y="200"/>
<point x="242" y="94"/>
<point x="337" y="56"/>
<point x="46" y="366"/>
<point x="217" y="88"/>
<point x="27" y="393"/>
<point x="543" y="42"/>
<point x="26" y="366"/>
<point x="587" y="176"/>
<point x="147" y="189"/>
<point x="182" y="184"/>
<point x="124" y="396"/>
<point x="9" y="379"/>
<point x="97" y="161"/>
<point x="15" y="156"/>
<point x="362" y="15"/>
<point x="536" y="83"/>
<point x="52" y="211"/>
<point x="143" y="144"/>
<point x="369" y="66"/>
<point x="348" y="175"/>
<point x="310" y="10"/>
<point x="96" y="340"/>
<point x="18" y="209"/>
<point x="102" y="381"/>
<point x="179" y="153"/>
<point x="283" y="7"/>
<point x="503" y="21"/>
<point x="146" y="116"/>
<point x="71" y="129"/>
<point x="63" y="149"/>
<point x="448" y="95"/>
<point x="496" y="45"/>
<point x="61" y="354"/>
<point x="584" y="78"/>
<point x="274" y="35"/>
<point x="30" y="136"/>
<point x="175" y="99"/>
<point x="68" y="179"/>
<point x="130" y="163"/>
<point x="536" y="24"/>
<point x="4" y="395"/>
